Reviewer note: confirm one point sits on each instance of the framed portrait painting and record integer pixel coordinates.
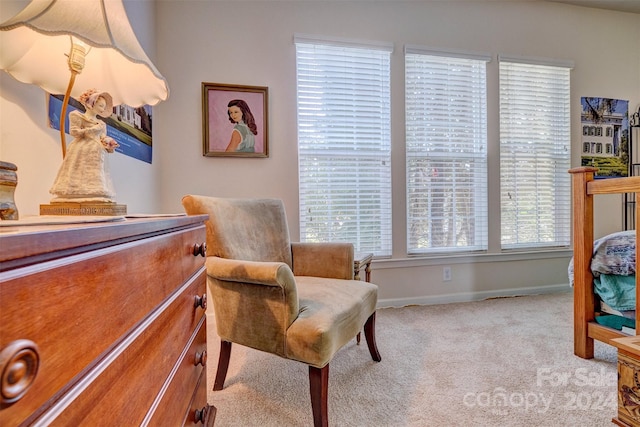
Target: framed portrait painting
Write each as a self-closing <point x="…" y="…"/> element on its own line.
<point x="234" y="120"/>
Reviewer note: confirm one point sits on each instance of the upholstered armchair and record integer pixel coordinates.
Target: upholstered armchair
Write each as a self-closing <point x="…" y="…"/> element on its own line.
<point x="296" y="300"/>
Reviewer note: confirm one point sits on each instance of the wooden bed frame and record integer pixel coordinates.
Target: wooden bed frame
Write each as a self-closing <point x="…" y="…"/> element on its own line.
<point x="585" y="328"/>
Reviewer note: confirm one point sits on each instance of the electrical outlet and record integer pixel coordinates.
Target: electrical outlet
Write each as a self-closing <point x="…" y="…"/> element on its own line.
<point x="446" y="274"/>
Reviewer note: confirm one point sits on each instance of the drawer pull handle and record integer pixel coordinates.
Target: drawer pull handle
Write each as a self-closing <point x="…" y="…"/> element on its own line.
<point x="19" y="362"/>
<point x="200" y="301"/>
<point x="201" y="358"/>
<point x="200" y="249"/>
<point x="200" y="415"/>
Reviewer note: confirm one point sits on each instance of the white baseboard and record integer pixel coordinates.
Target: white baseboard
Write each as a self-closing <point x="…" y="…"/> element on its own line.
<point x="472" y="296"/>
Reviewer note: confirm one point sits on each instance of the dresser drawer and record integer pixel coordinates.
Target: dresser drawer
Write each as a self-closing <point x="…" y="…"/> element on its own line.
<point x="169" y="408"/>
<point x="77" y="308"/>
<point x="119" y="390"/>
<point x="200" y="413"/>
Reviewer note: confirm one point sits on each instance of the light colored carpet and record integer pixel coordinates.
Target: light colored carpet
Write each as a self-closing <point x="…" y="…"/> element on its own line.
<point x="500" y="362"/>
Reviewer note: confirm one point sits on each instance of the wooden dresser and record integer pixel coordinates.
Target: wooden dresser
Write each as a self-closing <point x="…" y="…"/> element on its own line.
<point x="104" y="323"/>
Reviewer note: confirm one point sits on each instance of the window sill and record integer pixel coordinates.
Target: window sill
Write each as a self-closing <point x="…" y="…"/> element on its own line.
<point x="421" y="261"/>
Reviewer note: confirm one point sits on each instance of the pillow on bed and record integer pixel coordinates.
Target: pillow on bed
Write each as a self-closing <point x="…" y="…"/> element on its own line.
<point x="615" y="254"/>
<point x="612" y="254"/>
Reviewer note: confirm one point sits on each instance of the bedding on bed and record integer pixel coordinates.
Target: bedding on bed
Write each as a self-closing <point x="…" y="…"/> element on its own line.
<point x="618" y="292"/>
<point x="629" y="314"/>
<point x="615" y="254"/>
<point x="616" y="322"/>
<point x="613" y="266"/>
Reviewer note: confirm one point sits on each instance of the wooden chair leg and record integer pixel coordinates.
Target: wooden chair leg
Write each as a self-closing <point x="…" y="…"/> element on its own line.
<point x="319" y="387"/>
<point x="370" y="335"/>
<point x="223" y="365"/>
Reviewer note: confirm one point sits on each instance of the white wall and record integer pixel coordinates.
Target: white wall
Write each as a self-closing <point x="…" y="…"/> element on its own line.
<point x="251" y="43"/>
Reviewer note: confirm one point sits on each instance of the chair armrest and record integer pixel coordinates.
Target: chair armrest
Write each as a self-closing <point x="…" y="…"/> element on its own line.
<point x="260" y="273"/>
<point x="254" y="302"/>
<point x="332" y="260"/>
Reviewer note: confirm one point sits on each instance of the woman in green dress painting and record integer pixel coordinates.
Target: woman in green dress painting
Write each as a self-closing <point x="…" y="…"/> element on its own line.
<point x="244" y="128"/>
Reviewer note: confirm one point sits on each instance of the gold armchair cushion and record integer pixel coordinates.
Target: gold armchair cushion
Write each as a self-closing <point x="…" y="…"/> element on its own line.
<point x="332" y="312"/>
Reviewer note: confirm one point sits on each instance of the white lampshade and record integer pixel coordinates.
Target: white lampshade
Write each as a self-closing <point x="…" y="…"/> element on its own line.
<point x="35" y="44"/>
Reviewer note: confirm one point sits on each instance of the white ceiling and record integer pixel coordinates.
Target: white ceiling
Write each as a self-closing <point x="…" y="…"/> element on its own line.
<point x="632" y="6"/>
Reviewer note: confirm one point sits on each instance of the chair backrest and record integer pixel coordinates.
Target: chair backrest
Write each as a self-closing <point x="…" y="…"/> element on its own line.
<point x="244" y="229"/>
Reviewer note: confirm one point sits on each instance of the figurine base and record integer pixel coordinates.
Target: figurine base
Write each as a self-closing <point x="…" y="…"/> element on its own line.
<point x="67" y="208"/>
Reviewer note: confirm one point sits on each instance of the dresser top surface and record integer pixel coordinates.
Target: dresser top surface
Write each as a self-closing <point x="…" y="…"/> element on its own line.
<point x="24" y="241"/>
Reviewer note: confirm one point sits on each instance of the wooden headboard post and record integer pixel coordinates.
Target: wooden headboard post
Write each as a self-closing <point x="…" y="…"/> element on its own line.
<point x="583" y="299"/>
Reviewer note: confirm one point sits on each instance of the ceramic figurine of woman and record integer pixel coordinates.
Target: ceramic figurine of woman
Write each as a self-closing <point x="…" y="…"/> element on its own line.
<point x="83" y="175"/>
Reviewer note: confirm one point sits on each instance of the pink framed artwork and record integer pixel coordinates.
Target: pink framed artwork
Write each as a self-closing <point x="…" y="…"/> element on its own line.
<point x="234" y="120"/>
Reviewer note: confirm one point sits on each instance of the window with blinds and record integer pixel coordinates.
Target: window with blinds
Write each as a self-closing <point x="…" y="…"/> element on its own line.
<point x="344" y="142"/>
<point x="446" y="154"/>
<point x="535" y="151"/>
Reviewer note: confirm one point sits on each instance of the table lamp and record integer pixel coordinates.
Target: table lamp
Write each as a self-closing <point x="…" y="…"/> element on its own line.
<point x="69" y="46"/>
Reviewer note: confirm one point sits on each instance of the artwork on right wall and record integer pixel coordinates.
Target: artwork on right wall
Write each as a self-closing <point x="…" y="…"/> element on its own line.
<point x="605" y="136"/>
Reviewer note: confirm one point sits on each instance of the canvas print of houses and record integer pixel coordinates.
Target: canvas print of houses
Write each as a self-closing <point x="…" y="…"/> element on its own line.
<point x="605" y="136"/>
<point x="130" y="127"/>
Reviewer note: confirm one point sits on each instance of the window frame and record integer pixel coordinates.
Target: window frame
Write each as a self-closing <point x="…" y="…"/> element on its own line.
<point x="478" y="155"/>
<point x="560" y="208"/>
<point x="363" y="152"/>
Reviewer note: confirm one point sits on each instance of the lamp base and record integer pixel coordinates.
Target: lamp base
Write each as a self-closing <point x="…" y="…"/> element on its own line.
<point x="68" y="208"/>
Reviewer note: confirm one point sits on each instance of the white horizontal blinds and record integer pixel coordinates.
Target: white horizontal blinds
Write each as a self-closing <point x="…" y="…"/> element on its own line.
<point x="344" y="144"/>
<point x="446" y="155"/>
<point x="535" y="144"/>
